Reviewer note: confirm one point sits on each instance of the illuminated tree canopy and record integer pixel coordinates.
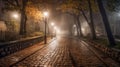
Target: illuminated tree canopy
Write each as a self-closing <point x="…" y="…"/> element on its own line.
<point x="34" y="12"/>
<point x="76" y="5"/>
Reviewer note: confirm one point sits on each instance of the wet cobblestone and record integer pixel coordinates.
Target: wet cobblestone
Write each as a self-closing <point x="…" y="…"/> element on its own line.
<point x="63" y="52"/>
<point x="54" y="55"/>
<point x="57" y="54"/>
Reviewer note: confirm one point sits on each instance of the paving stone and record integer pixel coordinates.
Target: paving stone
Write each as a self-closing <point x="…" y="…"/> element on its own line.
<point x="63" y="52"/>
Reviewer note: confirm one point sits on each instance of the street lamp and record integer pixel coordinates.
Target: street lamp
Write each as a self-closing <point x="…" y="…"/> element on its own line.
<point x="46" y="14"/>
<point x="15" y="15"/>
<point x="45" y="19"/>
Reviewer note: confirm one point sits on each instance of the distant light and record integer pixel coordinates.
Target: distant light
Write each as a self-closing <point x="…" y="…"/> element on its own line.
<point x="46" y="14"/>
<point x="58" y="31"/>
<point x="119" y="14"/>
<point x="83" y="29"/>
<point x="55" y="27"/>
<point x="52" y="24"/>
<point x="74" y="25"/>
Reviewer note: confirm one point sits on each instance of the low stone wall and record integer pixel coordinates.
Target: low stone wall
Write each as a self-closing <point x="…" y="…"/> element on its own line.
<point x="14" y="46"/>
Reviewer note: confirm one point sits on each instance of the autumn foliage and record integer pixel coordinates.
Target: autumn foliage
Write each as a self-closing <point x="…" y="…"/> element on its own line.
<point x="33" y="12"/>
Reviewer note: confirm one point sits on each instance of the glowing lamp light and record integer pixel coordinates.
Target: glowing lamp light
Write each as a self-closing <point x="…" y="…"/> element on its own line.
<point x="15" y="15"/>
<point x="52" y="24"/>
<point x="46" y="14"/>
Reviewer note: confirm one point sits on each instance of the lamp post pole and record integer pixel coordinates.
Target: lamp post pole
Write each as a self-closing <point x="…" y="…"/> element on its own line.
<point x="45" y="20"/>
<point x="55" y="31"/>
<point x="45" y="36"/>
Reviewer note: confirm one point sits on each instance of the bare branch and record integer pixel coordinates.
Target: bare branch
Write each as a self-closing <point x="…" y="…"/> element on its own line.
<point x="17" y="3"/>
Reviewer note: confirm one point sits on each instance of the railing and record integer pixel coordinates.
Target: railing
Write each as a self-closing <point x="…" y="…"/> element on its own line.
<point x="2" y="35"/>
<point x="14" y="46"/>
<point x="111" y="52"/>
<point x="6" y="36"/>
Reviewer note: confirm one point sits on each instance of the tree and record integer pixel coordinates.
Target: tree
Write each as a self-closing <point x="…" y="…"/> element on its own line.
<point x="91" y="20"/>
<point x="21" y="6"/>
<point x="23" y="18"/>
<point x="76" y="7"/>
<point x="33" y="12"/>
<point x="12" y="26"/>
<point x="27" y="10"/>
<point x="113" y="5"/>
<point x="106" y="23"/>
<point x="67" y="7"/>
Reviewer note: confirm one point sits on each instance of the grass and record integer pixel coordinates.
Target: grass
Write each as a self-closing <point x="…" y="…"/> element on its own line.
<point x="118" y="45"/>
<point x="105" y="42"/>
<point x="102" y="41"/>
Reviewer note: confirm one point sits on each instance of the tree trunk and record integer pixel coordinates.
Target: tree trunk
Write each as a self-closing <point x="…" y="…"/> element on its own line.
<point x="48" y="28"/>
<point x="106" y="23"/>
<point x="91" y="21"/>
<point x="23" y="18"/>
<point x="84" y="16"/>
<point x="78" y="34"/>
<point x="79" y="25"/>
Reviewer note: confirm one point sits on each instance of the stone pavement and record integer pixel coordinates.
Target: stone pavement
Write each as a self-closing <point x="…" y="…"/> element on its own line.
<point x="62" y="52"/>
<point x="20" y="55"/>
<point x="54" y="55"/>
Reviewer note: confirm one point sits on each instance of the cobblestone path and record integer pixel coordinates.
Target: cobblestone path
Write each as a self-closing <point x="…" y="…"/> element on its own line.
<point x="63" y="52"/>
